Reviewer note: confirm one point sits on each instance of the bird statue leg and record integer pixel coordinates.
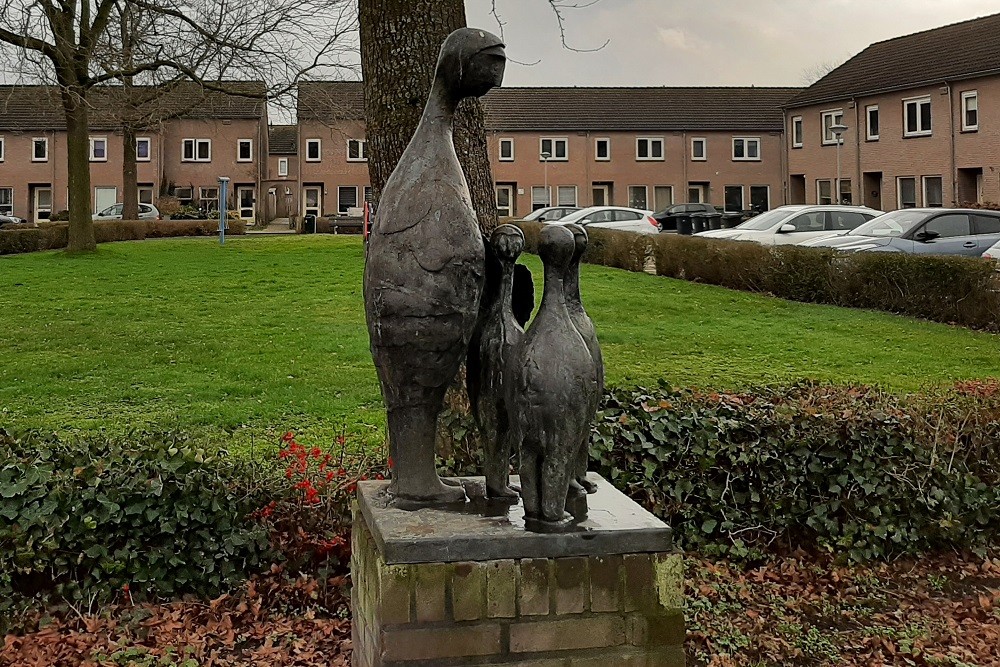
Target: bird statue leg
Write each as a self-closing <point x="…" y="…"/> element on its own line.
<point x="414" y="476"/>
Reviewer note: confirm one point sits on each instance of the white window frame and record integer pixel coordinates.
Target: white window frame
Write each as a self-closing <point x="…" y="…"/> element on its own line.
<point x="597" y="155"/>
<point x="554" y="153"/>
<point x="505" y="141"/>
<point x="548" y="198"/>
<point x="836" y="117"/>
<point x="743" y="201"/>
<point x="340" y="189"/>
<point x="2" y="147"/>
<point x="899" y="191"/>
<point x="282" y="166"/>
<point x="186" y="189"/>
<point x="559" y="191"/>
<point x="966" y="96"/>
<point x="819" y="195"/>
<point x="704" y="149"/>
<point x="746" y="149"/>
<point x="239" y="148"/>
<point x="319" y="150"/>
<point x="659" y="187"/>
<point x="649" y="149"/>
<point x="798" y="132"/>
<point x="45" y="142"/>
<point x="7" y="209"/>
<point x="750" y="190"/>
<point x="645" y="196"/>
<point x="869" y="135"/>
<point x="93" y="145"/>
<point x="202" y="198"/>
<point x="146" y="188"/>
<point x="362" y="150"/>
<point x="923" y="190"/>
<point x="196" y="145"/>
<point x="920" y="131"/>
<point x="149" y="149"/>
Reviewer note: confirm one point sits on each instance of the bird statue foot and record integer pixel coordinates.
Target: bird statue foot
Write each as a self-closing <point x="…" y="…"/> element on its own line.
<point x="435" y="493"/>
<point x="587" y="485"/>
<point x="542" y="525"/>
<point x="506" y="491"/>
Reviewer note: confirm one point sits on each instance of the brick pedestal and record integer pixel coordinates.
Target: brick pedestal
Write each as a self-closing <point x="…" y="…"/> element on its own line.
<point x="541" y="610"/>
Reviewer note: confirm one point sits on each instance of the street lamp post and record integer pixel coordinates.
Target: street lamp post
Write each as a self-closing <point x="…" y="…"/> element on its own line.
<point x="838" y="132"/>
<point x="545" y="160"/>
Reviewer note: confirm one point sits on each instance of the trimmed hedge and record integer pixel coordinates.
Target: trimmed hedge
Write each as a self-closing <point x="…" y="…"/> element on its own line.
<point x="81" y="519"/>
<point x="848" y="470"/>
<point x="52" y="236"/>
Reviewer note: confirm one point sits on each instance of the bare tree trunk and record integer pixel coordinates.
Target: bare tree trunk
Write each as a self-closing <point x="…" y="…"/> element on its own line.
<point x="81" y="225"/>
<point x="400" y="41"/>
<point x="130" y="189"/>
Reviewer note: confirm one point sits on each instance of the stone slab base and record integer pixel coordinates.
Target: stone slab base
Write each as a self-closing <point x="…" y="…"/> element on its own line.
<point x="601" y="610"/>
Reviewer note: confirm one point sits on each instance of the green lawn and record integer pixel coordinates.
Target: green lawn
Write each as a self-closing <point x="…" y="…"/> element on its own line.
<point x="268" y="334"/>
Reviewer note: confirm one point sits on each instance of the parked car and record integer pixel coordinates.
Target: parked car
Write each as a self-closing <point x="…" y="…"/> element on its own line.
<point x="794" y="224"/>
<point x="551" y="213"/>
<point x="923" y="231"/>
<point x="12" y="220"/>
<point x="614" y="217"/>
<point x="993" y="252"/>
<point x="146" y="212"/>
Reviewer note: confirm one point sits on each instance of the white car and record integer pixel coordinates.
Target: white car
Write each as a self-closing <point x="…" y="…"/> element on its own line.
<point x="146" y="212"/>
<point x="613" y="217"/>
<point x="794" y="224"/>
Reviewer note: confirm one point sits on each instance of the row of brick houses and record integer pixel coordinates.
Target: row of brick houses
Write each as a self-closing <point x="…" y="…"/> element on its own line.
<point x="919" y="112"/>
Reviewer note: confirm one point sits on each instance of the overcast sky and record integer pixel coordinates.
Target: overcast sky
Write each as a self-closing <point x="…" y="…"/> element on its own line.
<point x="703" y="42"/>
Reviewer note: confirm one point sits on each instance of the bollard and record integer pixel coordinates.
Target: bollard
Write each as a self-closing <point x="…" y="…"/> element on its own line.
<point x="223" y="186"/>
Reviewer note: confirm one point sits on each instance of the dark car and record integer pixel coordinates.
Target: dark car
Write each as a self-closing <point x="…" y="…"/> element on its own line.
<point x="923" y="231"/>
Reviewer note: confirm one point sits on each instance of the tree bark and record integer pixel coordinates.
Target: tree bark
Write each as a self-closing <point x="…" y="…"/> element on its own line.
<point x="81" y="225"/>
<point x="400" y="42"/>
<point x="130" y="189"/>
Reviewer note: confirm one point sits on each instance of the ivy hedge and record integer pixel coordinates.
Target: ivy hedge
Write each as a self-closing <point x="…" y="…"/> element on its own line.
<point x="15" y="239"/>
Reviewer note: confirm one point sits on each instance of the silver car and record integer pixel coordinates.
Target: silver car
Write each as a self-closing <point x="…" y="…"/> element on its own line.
<point x="614" y="217"/>
<point x="146" y="212"/>
<point x="794" y="224"/>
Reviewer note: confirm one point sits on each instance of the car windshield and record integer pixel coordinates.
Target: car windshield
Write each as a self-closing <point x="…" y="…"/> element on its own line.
<point x="766" y="220"/>
<point x="896" y="223"/>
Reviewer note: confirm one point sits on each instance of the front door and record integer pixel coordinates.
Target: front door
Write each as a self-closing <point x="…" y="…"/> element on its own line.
<point x="42" y="203"/>
<point x="247" y="202"/>
<point x="696" y="193"/>
<point x="505" y="201"/>
<point x="104" y="197"/>
<point x="602" y="195"/>
<point x="872" y="183"/>
<point x="312" y="198"/>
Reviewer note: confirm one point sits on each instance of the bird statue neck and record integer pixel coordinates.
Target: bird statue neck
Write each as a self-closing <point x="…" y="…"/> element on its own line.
<point x="573" y="284"/>
<point x="554" y="292"/>
<point x="439" y="114"/>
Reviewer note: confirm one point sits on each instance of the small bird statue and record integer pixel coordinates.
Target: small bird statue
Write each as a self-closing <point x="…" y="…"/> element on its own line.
<point x="424" y="269"/>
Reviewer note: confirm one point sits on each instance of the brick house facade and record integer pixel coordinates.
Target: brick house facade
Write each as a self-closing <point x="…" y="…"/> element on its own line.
<point x="921" y="128"/>
<point x="194" y="137"/>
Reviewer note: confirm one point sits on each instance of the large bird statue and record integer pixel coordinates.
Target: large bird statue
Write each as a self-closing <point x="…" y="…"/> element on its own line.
<point x="424" y="270"/>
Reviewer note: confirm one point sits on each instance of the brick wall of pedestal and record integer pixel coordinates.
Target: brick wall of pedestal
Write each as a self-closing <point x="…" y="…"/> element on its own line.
<point x="596" y="611"/>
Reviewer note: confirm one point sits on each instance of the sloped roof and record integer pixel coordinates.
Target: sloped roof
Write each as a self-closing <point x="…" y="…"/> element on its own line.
<point x="282" y="139"/>
<point x="40" y="107"/>
<point x="597" y="109"/>
<point x="958" y="51"/>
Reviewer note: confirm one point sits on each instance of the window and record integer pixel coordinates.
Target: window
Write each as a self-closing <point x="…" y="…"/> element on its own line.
<point x="871" y="114"/>
<point x="917" y="117"/>
<point x="637" y="196"/>
<point x="566" y="195"/>
<point x="244" y="150"/>
<point x="663" y="197"/>
<point x="142" y="152"/>
<point x="933" y="192"/>
<point x="746" y="148"/>
<point x="797" y="132"/>
<point x="906" y="186"/>
<point x="282" y="166"/>
<point x="357" y="150"/>
<point x="970" y="111"/>
<point x="1" y="149"/>
<point x="809" y="222"/>
<point x="347" y="198"/>
<point x="196" y="150"/>
<point x="734" y="198"/>
<point x="648" y="148"/>
<point x="313" y="150"/>
<point x="210" y="199"/>
<point x="145" y="194"/>
<point x="839" y="221"/>
<point x="505" y="201"/>
<point x="98" y="149"/>
<point x="846" y="192"/>
<point x="760" y="198"/>
<point x="557" y="149"/>
<point x="602" y="149"/>
<point x="369" y="194"/>
<point x="6" y="201"/>
<point x="831" y="118"/>
<point x="506" y="150"/>
<point x="950" y="225"/>
<point x="540" y="197"/>
<point x="699" y="149"/>
<point x="986" y="224"/>
<point x="40" y="149"/>
<point x="185" y="196"/>
<point x="824" y="192"/>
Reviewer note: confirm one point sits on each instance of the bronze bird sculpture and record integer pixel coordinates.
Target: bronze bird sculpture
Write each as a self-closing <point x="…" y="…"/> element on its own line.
<point x="424" y="269"/>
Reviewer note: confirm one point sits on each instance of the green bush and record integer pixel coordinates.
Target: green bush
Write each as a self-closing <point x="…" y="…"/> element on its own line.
<point x="617" y="250"/>
<point x="54" y="235"/>
<point x="80" y="519"/>
<point x="850" y="470"/>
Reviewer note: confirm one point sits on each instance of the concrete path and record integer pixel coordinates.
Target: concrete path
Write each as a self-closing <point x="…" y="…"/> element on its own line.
<point x="276" y="226"/>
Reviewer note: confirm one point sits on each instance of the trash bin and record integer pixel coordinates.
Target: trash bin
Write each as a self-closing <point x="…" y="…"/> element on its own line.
<point x="713" y="220"/>
<point x="684" y="224"/>
<point x="731" y="219"/>
<point x="699" y="222"/>
<point x="309" y="224"/>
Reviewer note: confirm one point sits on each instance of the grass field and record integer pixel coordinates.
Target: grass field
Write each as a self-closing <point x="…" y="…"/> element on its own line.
<point x="267" y="334"/>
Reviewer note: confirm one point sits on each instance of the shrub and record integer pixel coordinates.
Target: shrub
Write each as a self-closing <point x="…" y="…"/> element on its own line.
<point x="532" y="233"/>
<point x="848" y="470"/>
<point x="60" y="216"/>
<point x="14" y="241"/>
<point x="617" y="250"/>
<point x="81" y="519"/>
<point x="53" y="235"/>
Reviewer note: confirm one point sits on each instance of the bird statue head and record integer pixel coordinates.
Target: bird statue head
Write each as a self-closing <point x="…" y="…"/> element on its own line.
<point x="508" y="242"/>
<point x="471" y="63"/>
<point x="581" y="237"/>
<point x="556" y="247"/>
